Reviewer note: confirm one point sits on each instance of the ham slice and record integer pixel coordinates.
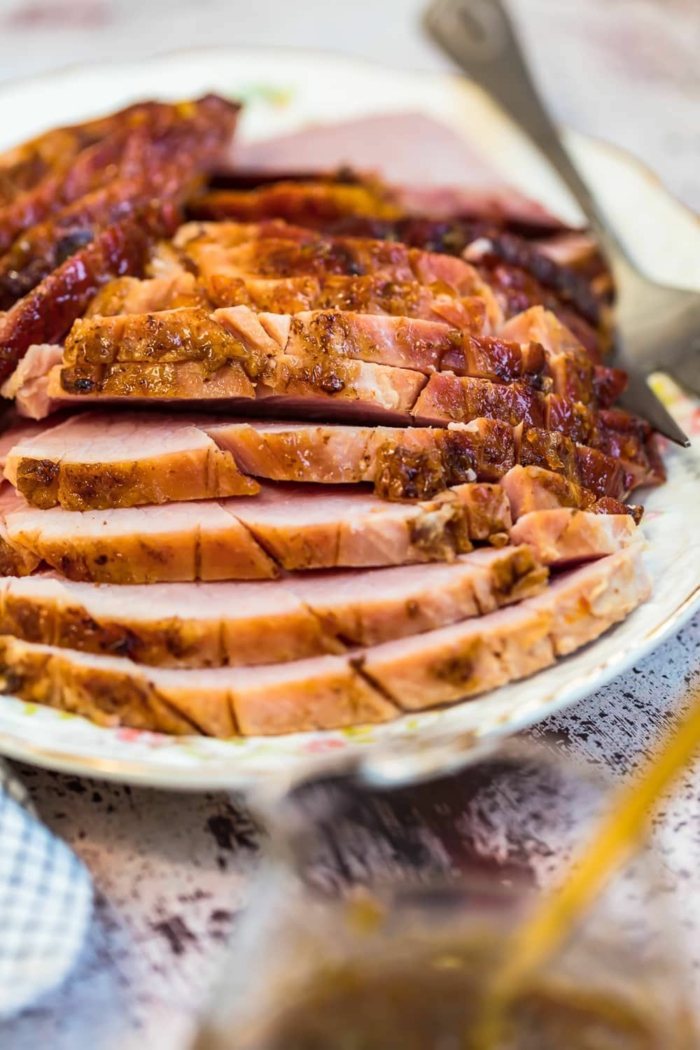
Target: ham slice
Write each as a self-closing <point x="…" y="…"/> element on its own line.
<point x="15" y="558"/>
<point x="28" y="385"/>
<point x="129" y="295"/>
<point x="241" y="624"/>
<point x="296" y="526"/>
<point x="450" y="398"/>
<point x="463" y="660"/>
<point x="531" y="489"/>
<point x="237" y="334"/>
<point x="99" y="460"/>
<point x="405" y="147"/>
<point x="220" y="251"/>
<point x="359" y="391"/>
<point x="183" y="541"/>
<point x="373" y="685"/>
<point x="563" y="536"/>
<point x="367" y="608"/>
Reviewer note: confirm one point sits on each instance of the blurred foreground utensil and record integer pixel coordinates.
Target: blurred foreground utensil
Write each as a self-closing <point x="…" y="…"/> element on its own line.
<point x="658" y="326"/>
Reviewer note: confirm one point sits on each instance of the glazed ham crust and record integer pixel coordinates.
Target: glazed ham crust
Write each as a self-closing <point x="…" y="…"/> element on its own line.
<point x="47" y="313"/>
<point x="150" y="150"/>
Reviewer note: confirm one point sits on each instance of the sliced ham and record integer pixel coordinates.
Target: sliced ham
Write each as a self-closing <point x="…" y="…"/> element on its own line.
<point x="463" y="660"/>
<point x="304" y="529"/>
<point x="167" y="624"/>
<point x="188" y="334"/>
<point x="241" y="624"/>
<point x="247" y="538"/>
<point x="374" y="685"/>
<point x="474" y="314"/>
<point x="563" y="536"/>
<point x="181" y="541"/>
<point x="386" y="456"/>
<point x="531" y="489"/>
<point x="584" y="602"/>
<point x="184" y="381"/>
<point x="367" y="608"/>
<point x="128" y="295"/>
<point x="220" y="252"/>
<point x="28" y="385"/>
<point x="321" y="693"/>
<point x="99" y="460"/>
<point x="575" y="375"/>
<point x="405" y="147"/>
<point x="359" y="391"/>
<point x="236" y="334"/>
<point x="450" y="398"/>
<point x="615" y="433"/>
<point x="15" y="558"/>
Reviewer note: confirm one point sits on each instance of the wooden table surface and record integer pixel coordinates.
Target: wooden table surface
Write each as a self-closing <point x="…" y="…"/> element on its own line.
<point x="171" y="871"/>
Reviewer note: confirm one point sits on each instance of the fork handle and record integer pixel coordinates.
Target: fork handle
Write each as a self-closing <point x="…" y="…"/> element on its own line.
<point x="480" y="36"/>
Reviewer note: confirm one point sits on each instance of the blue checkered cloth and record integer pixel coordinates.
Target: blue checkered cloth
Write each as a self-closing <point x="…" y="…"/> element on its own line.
<point x="45" y="902"/>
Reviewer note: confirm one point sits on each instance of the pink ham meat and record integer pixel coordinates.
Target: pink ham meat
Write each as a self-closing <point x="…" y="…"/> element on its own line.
<point x="28" y="385"/>
<point x="241" y="624"/>
<point x="479" y="655"/>
<point x="372" y="685"/>
<point x="367" y="608"/>
<point x="220" y="252"/>
<point x="475" y="314"/>
<point x="406" y="148"/>
<point x="249" y="538"/>
<point x="531" y="489"/>
<point x="321" y="693"/>
<point x="183" y="541"/>
<point x="99" y="460"/>
<point x="563" y="536"/>
<point x="15" y="558"/>
<point x="575" y="375"/>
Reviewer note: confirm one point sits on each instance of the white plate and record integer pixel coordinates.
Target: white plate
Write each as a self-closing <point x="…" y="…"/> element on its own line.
<point x="284" y="90"/>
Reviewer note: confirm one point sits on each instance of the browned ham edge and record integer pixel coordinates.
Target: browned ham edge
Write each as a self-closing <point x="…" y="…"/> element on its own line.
<point x="435" y="668"/>
<point x="241" y="624"/>
<point x="295" y="527"/>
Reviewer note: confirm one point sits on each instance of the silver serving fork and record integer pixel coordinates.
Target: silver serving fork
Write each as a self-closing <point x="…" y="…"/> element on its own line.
<point x="658" y="326"/>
